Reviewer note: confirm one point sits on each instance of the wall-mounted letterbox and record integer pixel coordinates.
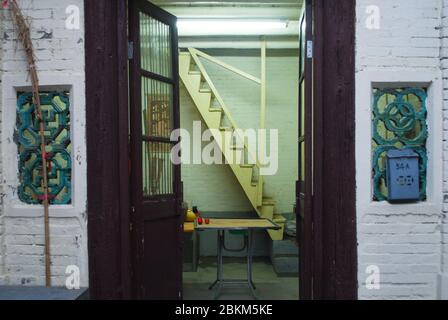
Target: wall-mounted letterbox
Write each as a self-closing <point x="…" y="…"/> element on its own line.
<point x="403" y="176"/>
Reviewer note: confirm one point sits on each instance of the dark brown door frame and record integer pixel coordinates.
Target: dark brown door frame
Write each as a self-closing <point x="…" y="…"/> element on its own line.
<point x="106" y="48"/>
<point x="335" y="263"/>
<point x="334" y="272"/>
<point x="304" y="187"/>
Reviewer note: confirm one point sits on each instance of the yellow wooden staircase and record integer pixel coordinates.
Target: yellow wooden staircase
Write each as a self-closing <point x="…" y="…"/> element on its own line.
<point x="223" y="127"/>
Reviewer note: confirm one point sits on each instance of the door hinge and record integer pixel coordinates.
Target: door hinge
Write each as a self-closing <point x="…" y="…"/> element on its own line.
<point x="309" y="49"/>
<point x="130" y="50"/>
<point x="132" y="209"/>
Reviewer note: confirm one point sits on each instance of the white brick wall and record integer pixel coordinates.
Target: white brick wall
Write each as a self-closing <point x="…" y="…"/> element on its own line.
<point x="2" y="278"/>
<point x="215" y="188"/>
<point x="60" y="63"/>
<point x="444" y="59"/>
<point x="404" y="241"/>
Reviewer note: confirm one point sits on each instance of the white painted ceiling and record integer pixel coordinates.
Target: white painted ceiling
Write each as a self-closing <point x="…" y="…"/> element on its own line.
<point x="280" y="2"/>
<point x="289" y="9"/>
<point x="285" y="10"/>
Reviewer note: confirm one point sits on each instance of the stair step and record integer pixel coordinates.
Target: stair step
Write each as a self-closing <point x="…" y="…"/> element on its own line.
<point x="286" y="266"/>
<point x="284" y="248"/>
<point x="194" y="72"/>
<point x="277" y="235"/>
<point x="205" y="90"/>
<point x="226" y="128"/>
<point x="216" y="110"/>
<point x="268" y="201"/>
<point x="247" y="165"/>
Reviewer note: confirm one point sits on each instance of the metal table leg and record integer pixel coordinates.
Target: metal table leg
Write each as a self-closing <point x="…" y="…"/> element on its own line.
<point x="196" y="252"/>
<point x="249" y="263"/>
<point x="220" y="262"/>
<point x="220" y="267"/>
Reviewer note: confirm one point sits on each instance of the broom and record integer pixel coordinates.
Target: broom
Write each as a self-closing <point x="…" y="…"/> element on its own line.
<point x="24" y="36"/>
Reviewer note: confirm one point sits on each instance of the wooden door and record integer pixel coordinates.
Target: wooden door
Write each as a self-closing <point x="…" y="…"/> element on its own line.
<point x="304" y="187"/>
<point x="156" y="187"/>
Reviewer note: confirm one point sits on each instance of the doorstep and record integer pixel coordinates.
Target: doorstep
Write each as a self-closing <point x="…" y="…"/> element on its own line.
<point x="41" y="293"/>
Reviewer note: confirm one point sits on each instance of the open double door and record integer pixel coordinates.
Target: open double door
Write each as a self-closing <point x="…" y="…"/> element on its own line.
<point x="156" y="188"/>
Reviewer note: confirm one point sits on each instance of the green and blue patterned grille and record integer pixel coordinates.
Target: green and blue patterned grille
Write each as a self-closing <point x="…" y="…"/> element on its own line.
<point x="399" y="122"/>
<point x="56" y="117"/>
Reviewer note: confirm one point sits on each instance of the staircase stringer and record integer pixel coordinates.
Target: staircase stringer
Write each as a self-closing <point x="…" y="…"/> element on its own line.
<point x="203" y="101"/>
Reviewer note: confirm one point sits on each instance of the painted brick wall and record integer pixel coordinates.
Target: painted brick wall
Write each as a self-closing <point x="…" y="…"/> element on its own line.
<point x="60" y="62"/>
<point x="2" y="277"/>
<point x="444" y="65"/>
<point x="404" y="241"/>
<point x="215" y="188"/>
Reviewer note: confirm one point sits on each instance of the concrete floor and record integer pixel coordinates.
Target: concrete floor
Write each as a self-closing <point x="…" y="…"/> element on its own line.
<point x="269" y="285"/>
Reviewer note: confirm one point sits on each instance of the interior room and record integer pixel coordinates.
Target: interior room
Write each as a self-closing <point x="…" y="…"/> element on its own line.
<point x="246" y="55"/>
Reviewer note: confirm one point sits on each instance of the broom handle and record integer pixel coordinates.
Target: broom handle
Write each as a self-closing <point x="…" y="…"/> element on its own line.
<point x="25" y="37"/>
<point x="36" y="98"/>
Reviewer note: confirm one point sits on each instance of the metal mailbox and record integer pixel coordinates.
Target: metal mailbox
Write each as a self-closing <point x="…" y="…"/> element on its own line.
<point x="403" y="176"/>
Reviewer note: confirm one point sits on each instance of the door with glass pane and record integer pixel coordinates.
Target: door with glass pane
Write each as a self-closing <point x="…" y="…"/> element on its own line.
<point x="304" y="186"/>
<point x="156" y="187"/>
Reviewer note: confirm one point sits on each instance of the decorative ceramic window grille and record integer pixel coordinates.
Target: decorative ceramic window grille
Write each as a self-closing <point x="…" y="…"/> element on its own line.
<point x="56" y="117"/>
<point x="399" y="122"/>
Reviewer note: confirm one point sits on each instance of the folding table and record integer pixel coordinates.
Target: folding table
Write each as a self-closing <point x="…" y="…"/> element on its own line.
<point x="223" y="225"/>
